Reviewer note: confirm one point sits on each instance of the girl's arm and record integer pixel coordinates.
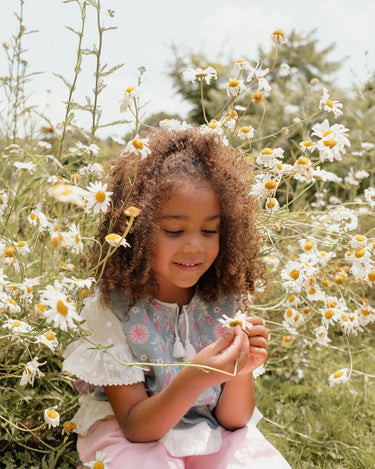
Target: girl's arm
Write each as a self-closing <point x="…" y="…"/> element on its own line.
<point x="236" y="403"/>
<point x="144" y="418"/>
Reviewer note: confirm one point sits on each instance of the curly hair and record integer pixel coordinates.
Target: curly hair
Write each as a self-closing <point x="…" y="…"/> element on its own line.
<point x="175" y="156"/>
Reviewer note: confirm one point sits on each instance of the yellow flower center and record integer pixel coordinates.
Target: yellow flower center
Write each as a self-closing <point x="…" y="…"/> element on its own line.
<point x="345" y="318"/>
<point x="328" y="314"/>
<point x="325" y="282"/>
<point x="29" y="288"/>
<point x="132" y="211"/>
<point x="40" y="307"/>
<point x="303" y="160"/>
<point x="98" y="465"/>
<point x="288" y="339"/>
<point x="21" y="244"/>
<point x="245" y="130"/>
<point x="49" y="335"/>
<point x="32" y="216"/>
<point x="371" y="276"/>
<point x="266" y="151"/>
<point x="100" y="196"/>
<point x="77" y="239"/>
<point x="240" y="61"/>
<point x="296" y="317"/>
<point x="235" y="323"/>
<point x="294" y="274"/>
<point x="307" y="143"/>
<point x="130" y="89"/>
<point x="359" y="253"/>
<point x="270" y="184"/>
<point x="338" y="374"/>
<point x="258" y="97"/>
<point x="359" y="238"/>
<point x="289" y="313"/>
<point x="309" y="245"/>
<point x="61" y="308"/>
<point x="12" y="302"/>
<point x="9" y="251"/>
<point x="291" y="298"/>
<point x="329" y="103"/>
<point x="233" y="83"/>
<point x="270" y="203"/>
<point x="312" y="291"/>
<point x="365" y="312"/>
<point x="69" y="426"/>
<point x="16" y="323"/>
<point x="138" y="144"/>
<point x="113" y="237"/>
<point x="327" y="132"/>
<point x="213" y="125"/>
<point x="52" y="414"/>
<point x="330" y="143"/>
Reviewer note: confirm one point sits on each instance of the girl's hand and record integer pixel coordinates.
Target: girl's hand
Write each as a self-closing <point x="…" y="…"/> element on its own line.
<point x="222" y="355"/>
<point x="258" y="344"/>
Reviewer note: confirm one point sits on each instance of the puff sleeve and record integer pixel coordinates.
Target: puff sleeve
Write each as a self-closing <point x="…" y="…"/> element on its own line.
<point x="94" y="365"/>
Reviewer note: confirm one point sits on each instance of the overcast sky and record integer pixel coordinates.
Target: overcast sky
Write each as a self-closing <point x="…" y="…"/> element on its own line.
<point x="147" y="28"/>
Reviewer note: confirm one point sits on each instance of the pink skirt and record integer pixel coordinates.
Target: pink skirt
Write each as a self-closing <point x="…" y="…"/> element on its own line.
<point x="243" y="448"/>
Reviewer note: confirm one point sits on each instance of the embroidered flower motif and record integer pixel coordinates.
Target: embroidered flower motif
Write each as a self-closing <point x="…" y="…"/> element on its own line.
<point x="139" y="334"/>
<point x="219" y="330"/>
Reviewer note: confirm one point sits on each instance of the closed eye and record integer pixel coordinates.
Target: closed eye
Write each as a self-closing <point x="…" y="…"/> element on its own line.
<point x="208" y="232"/>
<point x="173" y="233"/>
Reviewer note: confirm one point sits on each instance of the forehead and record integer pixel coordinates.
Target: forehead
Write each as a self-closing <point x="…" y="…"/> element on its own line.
<point x="191" y="198"/>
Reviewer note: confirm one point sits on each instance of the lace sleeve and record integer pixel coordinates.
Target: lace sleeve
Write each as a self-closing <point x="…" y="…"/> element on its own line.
<point x="96" y="366"/>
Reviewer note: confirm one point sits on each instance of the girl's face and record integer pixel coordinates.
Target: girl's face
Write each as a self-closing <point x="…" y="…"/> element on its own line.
<point x="187" y="240"/>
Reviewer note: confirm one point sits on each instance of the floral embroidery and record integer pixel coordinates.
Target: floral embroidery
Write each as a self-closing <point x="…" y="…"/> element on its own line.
<point x="219" y="330"/>
<point x="139" y="334"/>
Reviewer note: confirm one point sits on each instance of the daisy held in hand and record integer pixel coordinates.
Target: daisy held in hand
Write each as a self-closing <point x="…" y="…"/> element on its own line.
<point x="191" y="255"/>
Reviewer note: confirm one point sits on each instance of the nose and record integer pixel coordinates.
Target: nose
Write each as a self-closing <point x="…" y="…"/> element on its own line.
<point x="193" y="244"/>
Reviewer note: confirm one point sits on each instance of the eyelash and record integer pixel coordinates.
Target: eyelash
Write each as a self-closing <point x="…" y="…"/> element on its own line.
<point x="176" y="233"/>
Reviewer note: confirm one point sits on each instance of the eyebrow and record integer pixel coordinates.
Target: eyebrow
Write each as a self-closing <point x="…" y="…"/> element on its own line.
<point x="183" y="217"/>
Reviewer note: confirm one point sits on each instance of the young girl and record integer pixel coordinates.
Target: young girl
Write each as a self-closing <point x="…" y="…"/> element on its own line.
<point x="193" y="257"/>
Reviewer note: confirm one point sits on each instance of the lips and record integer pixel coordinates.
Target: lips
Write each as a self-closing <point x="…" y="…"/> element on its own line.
<point x="188" y="265"/>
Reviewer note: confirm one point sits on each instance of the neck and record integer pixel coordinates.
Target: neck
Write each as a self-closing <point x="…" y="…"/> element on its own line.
<point x="181" y="296"/>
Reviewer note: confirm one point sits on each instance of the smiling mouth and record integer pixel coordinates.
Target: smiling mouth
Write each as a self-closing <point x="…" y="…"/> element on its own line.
<point x="185" y="264"/>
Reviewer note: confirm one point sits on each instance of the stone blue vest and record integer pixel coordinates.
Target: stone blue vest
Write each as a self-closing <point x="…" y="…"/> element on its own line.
<point x="158" y="332"/>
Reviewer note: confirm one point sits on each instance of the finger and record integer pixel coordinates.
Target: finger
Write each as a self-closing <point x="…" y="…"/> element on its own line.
<point x="224" y="341"/>
<point x="255" y="320"/>
<point x="258" y="331"/>
<point x="259" y="342"/>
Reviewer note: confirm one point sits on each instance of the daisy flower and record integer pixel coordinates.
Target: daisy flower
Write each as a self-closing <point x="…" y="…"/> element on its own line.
<point x="200" y="74"/>
<point x="293" y="318"/>
<point x="68" y="193"/>
<point x="51" y="417"/>
<point x="259" y="73"/>
<point x="48" y="339"/>
<point x="15" y="325"/>
<point x="116" y="240"/>
<point x="240" y="65"/>
<point x="369" y="195"/>
<point x="278" y="36"/>
<point x="235" y="87"/>
<point x="339" y="376"/>
<point x="272" y="204"/>
<point x="101" y="462"/>
<point x="22" y="247"/>
<point x="333" y="140"/>
<point x="59" y="308"/>
<point x="30" y="167"/>
<point x="328" y="105"/>
<point x="270" y="157"/>
<point x="37" y="218"/>
<point x="138" y="147"/>
<point x="239" y="319"/>
<point x="245" y="133"/>
<point x="173" y="124"/>
<point x="130" y="95"/>
<point x="31" y="371"/>
<point x="321" y="334"/>
<point x="98" y="198"/>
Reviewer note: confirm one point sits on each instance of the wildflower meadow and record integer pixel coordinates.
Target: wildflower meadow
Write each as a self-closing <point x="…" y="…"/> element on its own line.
<point x="311" y="148"/>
